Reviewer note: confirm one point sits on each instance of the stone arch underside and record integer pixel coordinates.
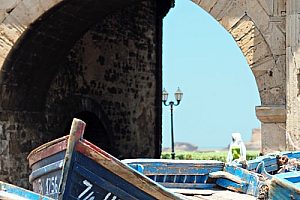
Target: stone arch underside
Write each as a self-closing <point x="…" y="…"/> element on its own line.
<point x="59" y="117"/>
<point x="258" y="27"/>
<point x="36" y="36"/>
<point x="252" y="25"/>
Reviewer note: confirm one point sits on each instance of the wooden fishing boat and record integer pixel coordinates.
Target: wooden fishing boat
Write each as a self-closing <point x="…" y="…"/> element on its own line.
<point x="285" y="186"/>
<point x="239" y="180"/>
<point x="73" y="168"/>
<point x="254" y="179"/>
<point x="181" y="174"/>
<point x="11" y="192"/>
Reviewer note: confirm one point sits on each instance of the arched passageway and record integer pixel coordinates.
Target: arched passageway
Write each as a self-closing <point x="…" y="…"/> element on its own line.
<point x="95" y="131"/>
<point x="61" y="59"/>
<point x="220" y="91"/>
<point x="262" y="40"/>
<point x="109" y="52"/>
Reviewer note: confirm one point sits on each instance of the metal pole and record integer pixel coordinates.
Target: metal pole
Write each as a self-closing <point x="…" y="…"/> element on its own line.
<point x="172" y="133"/>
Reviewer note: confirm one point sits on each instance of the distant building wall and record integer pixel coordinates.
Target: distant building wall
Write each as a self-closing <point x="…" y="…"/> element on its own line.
<point x="255" y="141"/>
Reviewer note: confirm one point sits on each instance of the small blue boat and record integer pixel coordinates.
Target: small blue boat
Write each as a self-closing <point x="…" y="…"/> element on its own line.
<point x="73" y="168"/>
<point x="180" y="174"/>
<point x="285" y="186"/>
<point x="240" y="180"/>
<point x="255" y="178"/>
<point x="11" y="192"/>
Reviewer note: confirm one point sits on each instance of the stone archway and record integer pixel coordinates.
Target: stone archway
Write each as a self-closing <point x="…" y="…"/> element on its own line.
<point x="258" y="27"/>
<point x="59" y="116"/>
<point x="37" y="36"/>
<point x="37" y="75"/>
<point x="95" y="130"/>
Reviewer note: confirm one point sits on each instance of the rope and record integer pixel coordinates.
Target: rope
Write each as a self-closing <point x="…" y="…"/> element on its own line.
<point x="289" y="138"/>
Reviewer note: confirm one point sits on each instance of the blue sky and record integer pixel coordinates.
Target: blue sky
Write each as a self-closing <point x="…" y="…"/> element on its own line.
<point x="220" y="92"/>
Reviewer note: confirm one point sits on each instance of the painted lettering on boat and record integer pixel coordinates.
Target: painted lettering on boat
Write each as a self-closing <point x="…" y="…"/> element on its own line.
<point x="49" y="186"/>
<point x="88" y="189"/>
<point x="110" y="197"/>
<point x="88" y="193"/>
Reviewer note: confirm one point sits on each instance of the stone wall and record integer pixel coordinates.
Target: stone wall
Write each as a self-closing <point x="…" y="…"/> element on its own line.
<point x="19" y="133"/>
<point x="110" y="76"/>
<point x="293" y="74"/>
<point x="258" y="27"/>
<point x="101" y="60"/>
<point x="115" y="64"/>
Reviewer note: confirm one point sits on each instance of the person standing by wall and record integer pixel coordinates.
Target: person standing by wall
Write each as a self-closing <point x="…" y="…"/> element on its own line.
<point x="237" y="149"/>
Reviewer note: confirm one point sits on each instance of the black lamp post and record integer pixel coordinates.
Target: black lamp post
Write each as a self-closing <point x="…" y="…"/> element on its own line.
<point x="178" y="96"/>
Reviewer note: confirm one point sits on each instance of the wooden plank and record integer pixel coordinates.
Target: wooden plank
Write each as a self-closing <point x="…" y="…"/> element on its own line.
<point x="188" y="185"/>
<point x="47" y="150"/>
<point x="261" y="169"/>
<point x="231" y="185"/>
<point x="250" y="181"/>
<point x="284" y="186"/>
<point x="253" y="179"/>
<point x="11" y="191"/>
<point x="226" y="175"/>
<point x="101" y="181"/>
<point x="76" y="132"/>
<point x="193" y="191"/>
<point x="9" y="196"/>
<point x="177" y="173"/>
<point x="124" y="171"/>
<point x="197" y="179"/>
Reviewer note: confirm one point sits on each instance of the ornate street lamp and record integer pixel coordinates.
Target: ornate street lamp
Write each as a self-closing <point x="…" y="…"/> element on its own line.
<point x="178" y="96"/>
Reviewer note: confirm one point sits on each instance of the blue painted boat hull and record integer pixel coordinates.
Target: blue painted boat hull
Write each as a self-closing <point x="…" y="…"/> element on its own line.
<point x="77" y="169"/>
<point x="255" y="178"/>
<point x="8" y="191"/>
<point x="181" y="174"/>
<point x="285" y="186"/>
<point x="102" y="182"/>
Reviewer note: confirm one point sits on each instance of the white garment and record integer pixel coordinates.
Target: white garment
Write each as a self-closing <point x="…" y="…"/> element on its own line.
<point x="236" y="143"/>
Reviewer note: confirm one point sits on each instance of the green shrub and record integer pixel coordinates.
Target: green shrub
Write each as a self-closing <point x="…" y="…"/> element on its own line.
<point x="165" y="156"/>
<point x="214" y="155"/>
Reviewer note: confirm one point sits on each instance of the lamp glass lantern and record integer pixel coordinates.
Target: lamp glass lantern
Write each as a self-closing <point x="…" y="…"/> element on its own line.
<point x="178" y="95"/>
<point x="164" y="95"/>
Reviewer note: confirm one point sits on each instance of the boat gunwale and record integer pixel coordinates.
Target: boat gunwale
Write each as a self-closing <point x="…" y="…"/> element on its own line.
<point x="280" y="179"/>
<point x="48" y="149"/>
<point x="120" y="169"/>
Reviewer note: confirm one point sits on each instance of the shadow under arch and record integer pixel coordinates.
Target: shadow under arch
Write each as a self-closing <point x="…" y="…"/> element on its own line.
<point x="95" y="131"/>
<point x="33" y="60"/>
<point x="59" y="116"/>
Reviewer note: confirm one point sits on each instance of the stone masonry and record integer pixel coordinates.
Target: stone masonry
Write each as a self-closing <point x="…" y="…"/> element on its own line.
<point x="259" y="28"/>
<point x="74" y="62"/>
<point x="101" y="61"/>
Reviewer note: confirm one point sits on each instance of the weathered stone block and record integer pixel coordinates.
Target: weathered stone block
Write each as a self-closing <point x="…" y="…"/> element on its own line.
<point x="271" y="114"/>
<point x="273" y="137"/>
<point x="258" y="15"/>
<point x="8" y="5"/>
<point x="4" y="148"/>
<point x="3" y="14"/>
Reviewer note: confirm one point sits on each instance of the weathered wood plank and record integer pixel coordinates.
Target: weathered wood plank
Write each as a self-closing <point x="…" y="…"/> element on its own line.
<point x="124" y="171"/>
<point x="76" y="132"/>
<point x="8" y="191"/>
<point x="285" y="186"/>
<point x="226" y="175"/>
